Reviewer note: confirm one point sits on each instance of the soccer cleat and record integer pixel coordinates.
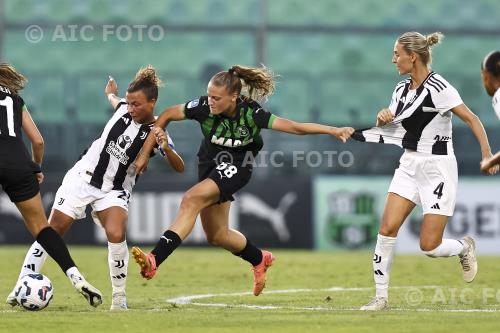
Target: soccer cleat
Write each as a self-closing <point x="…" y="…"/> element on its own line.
<point x="147" y="262"/>
<point x="91" y="294"/>
<point x="259" y="272"/>
<point x="11" y="299"/>
<point x="468" y="260"/>
<point x="119" y="302"/>
<point x="376" y="304"/>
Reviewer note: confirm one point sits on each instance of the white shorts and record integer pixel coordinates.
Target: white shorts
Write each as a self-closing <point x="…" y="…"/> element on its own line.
<point x="75" y="194"/>
<point x="427" y="180"/>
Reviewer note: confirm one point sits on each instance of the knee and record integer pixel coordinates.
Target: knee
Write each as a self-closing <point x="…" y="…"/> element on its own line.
<point x="116" y="235"/>
<point x="59" y="227"/>
<point x="216" y="239"/>
<point x="191" y="201"/>
<point x="429" y="248"/>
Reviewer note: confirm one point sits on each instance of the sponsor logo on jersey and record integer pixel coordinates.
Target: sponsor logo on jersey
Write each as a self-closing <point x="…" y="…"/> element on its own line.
<point x="194" y="103"/>
<point x="229" y="142"/>
<point x="118" y="149"/>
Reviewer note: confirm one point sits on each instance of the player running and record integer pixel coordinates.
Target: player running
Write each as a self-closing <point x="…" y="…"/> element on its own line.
<point x="231" y="125"/>
<point x="20" y="176"/>
<point x="105" y="176"/>
<point x="419" y="120"/>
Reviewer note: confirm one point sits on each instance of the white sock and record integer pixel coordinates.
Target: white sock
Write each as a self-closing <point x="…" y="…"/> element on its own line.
<point x="448" y="248"/>
<point x="118" y="264"/>
<point x="34" y="260"/>
<point x="74" y="275"/>
<point x="382" y="261"/>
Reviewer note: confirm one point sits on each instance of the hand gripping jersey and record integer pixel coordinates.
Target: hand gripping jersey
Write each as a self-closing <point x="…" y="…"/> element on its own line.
<point x="422" y="117"/>
<point x="237" y="135"/>
<point x="108" y="163"/>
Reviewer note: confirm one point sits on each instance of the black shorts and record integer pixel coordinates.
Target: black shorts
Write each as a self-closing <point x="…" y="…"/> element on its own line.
<point x="20" y="185"/>
<point x="229" y="177"/>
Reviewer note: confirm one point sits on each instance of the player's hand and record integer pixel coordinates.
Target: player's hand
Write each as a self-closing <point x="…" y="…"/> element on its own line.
<point x="39" y="177"/>
<point x="111" y="87"/>
<point x="384" y="117"/>
<point x="487" y="167"/>
<point x="141" y="163"/>
<point x="161" y="137"/>
<point x="343" y="133"/>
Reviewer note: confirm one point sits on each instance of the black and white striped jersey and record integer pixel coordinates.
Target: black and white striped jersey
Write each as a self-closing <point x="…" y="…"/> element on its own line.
<point x="422" y="117"/>
<point x="496" y="102"/>
<point x="108" y="163"/>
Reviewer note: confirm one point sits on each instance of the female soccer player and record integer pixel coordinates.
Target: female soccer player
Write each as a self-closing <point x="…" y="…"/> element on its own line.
<point x="20" y="176"/>
<point x="490" y="73"/>
<point x="105" y="176"/>
<point x="419" y="120"/>
<point x="231" y="124"/>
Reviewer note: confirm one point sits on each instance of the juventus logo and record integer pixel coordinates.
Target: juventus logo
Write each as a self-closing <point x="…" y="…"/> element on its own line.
<point x="377" y="259"/>
<point x="143" y="135"/>
<point x="61" y="201"/>
<point x="38" y="253"/>
<point x="120" y="263"/>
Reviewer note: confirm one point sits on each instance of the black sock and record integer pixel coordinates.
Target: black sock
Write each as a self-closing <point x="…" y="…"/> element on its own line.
<point x="50" y="240"/>
<point x="251" y="254"/>
<point x="165" y="246"/>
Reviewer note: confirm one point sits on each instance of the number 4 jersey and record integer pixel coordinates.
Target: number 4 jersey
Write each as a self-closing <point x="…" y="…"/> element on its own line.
<point x="13" y="152"/>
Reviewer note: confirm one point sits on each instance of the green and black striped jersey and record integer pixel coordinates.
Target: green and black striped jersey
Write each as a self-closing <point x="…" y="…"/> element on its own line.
<point x="237" y="135"/>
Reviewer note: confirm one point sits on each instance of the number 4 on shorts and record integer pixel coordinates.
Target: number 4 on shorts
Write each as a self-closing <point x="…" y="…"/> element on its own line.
<point x="439" y="190"/>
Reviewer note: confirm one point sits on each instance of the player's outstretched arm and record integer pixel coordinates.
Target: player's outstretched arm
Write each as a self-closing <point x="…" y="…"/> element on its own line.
<point x="472" y="120"/>
<point x="173" y="113"/>
<point x="292" y="127"/>
<point x="36" y="139"/>
<point x="111" y="91"/>
<point x="167" y="150"/>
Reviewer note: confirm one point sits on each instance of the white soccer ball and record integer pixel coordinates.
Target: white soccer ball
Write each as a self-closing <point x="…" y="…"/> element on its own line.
<point x="34" y="292"/>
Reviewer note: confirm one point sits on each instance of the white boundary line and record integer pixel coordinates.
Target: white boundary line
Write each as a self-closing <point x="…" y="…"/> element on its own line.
<point x="190" y="300"/>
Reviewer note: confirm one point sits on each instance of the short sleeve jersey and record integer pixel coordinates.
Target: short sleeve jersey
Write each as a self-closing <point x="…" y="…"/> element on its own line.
<point x="13" y="152"/>
<point x="237" y="135"/>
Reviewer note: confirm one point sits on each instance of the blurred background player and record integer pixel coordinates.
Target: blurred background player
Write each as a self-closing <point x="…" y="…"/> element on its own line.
<point x="105" y="176"/>
<point x="419" y="119"/>
<point x="490" y="73"/>
<point x="20" y="176"/>
<point x="231" y="125"/>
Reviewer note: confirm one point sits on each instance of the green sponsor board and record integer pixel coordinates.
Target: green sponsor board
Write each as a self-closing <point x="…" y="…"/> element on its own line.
<point x="347" y="211"/>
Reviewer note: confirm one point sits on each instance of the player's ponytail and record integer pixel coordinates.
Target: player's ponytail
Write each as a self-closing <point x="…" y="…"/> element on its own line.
<point x="258" y="83"/>
<point x="11" y="79"/>
<point x="420" y="44"/>
<point x="146" y="80"/>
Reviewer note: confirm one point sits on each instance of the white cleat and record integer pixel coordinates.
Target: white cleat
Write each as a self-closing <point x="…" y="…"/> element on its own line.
<point x="91" y="294"/>
<point x="468" y="260"/>
<point x="11" y="299"/>
<point x="119" y="302"/>
<point x="376" y="304"/>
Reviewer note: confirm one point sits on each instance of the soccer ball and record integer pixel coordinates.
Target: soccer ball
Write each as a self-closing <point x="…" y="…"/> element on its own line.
<point x="34" y="292"/>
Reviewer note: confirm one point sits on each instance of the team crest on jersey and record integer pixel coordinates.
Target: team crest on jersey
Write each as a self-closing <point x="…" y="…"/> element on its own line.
<point x="118" y="149"/>
<point x="194" y="103"/>
<point x="242" y="131"/>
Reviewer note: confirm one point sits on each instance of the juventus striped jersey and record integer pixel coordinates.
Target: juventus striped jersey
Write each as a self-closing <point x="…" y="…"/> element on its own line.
<point x="422" y="117"/>
<point x="108" y="163"/>
<point x="496" y="102"/>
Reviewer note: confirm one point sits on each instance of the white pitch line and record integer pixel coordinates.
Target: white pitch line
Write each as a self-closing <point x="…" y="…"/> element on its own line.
<point x="189" y="300"/>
